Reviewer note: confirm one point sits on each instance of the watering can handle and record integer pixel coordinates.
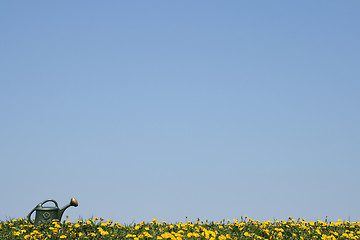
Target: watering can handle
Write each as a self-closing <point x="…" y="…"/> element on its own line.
<point x="29" y="216"/>
<point x="49" y="200"/>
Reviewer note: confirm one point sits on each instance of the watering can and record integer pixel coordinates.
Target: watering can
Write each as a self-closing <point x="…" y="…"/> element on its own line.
<point x="45" y="215"/>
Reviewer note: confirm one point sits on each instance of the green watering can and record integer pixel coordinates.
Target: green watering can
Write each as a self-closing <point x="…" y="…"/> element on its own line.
<point x="45" y="215"/>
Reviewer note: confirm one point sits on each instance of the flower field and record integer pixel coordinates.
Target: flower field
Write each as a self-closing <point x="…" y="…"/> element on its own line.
<point x="244" y="228"/>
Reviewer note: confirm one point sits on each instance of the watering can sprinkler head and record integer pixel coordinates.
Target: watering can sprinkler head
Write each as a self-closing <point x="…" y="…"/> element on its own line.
<point x="74" y="202"/>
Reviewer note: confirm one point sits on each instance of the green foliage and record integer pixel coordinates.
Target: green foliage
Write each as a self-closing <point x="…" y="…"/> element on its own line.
<point x="244" y="229"/>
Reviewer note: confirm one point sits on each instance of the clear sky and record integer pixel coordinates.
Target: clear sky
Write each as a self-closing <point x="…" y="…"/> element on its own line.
<point x="206" y="109"/>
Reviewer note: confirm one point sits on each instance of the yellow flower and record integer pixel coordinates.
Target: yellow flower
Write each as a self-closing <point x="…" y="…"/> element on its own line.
<point x="63" y="236"/>
<point x="222" y="237"/>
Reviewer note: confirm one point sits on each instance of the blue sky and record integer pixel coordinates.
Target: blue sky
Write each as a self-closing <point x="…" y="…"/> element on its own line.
<point x="166" y="109"/>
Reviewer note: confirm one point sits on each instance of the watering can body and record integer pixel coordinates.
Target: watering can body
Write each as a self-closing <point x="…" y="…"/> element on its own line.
<point x="45" y="215"/>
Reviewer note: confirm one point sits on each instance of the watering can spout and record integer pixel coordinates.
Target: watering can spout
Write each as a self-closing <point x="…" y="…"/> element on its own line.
<point x="73" y="203"/>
